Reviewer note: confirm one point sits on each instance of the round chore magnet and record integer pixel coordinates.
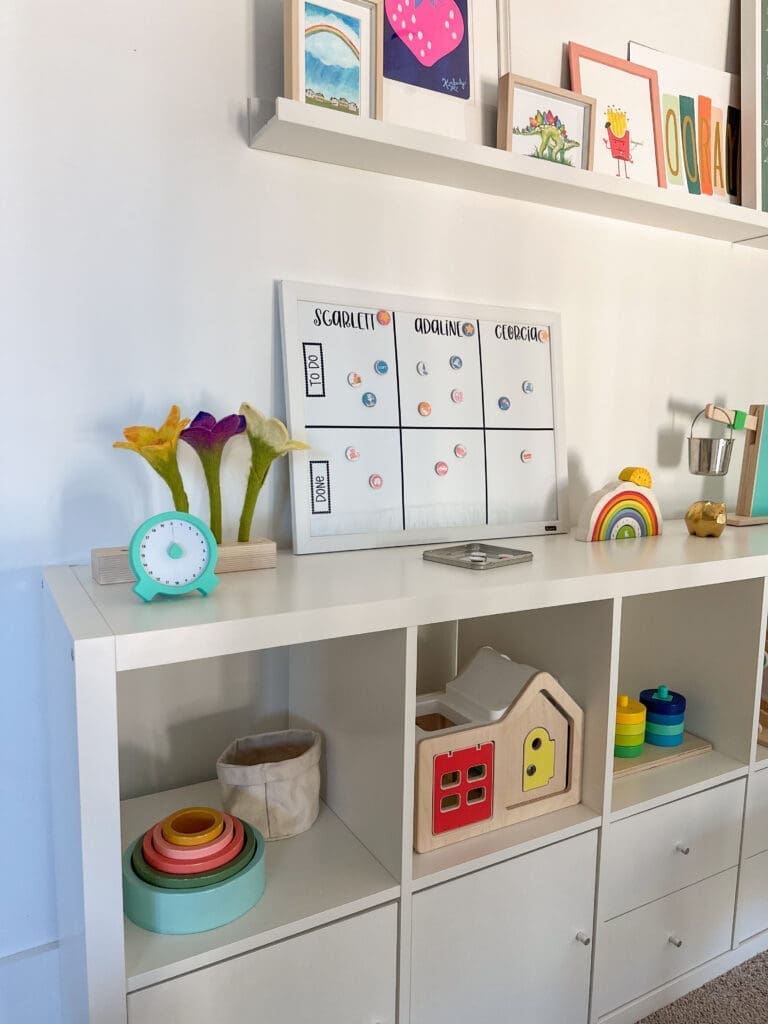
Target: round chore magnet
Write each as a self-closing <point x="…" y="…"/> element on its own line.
<point x="457" y="396"/>
<point x="354" y="380"/>
<point x="381" y="367"/>
<point x="460" y="451"/>
<point x="192" y="826"/>
<point x="369" y="399"/>
<point x="376" y="481"/>
<point x="425" y="409"/>
<point x="527" y="387"/>
<point x="352" y="454"/>
<point x="504" y="403"/>
<point x="456" y="362"/>
<point x="422" y="369"/>
<point x="441" y="468"/>
<point x="526" y="456"/>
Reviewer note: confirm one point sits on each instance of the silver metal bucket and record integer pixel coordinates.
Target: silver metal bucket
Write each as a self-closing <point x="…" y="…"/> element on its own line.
<point x="709" y="456"/>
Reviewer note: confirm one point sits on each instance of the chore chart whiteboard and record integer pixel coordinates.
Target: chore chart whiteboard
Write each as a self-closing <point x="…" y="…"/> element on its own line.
<point x="428" y="420"/>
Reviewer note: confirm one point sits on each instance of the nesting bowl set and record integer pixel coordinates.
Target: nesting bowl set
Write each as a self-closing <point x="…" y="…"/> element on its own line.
<point x="197" y="869"/>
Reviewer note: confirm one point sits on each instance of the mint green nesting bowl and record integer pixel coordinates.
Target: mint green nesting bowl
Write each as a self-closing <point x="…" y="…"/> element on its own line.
<point x="185" y="911"/>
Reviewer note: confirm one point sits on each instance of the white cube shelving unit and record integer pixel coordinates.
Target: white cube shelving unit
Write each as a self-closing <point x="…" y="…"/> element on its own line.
<point x="575" y="915"/>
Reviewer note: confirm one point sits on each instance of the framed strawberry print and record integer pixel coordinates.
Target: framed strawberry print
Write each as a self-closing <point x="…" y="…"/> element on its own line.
<point x="441" y="66"/>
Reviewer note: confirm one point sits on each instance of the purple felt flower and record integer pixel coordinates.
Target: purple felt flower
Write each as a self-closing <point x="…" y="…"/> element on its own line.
<point x="207" y="436"/>
<point x="205" y="433"/>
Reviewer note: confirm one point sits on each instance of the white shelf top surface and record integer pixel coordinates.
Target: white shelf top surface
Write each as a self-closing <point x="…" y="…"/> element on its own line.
<point x="312" y="879"/>
<point x="668" y="782"/>
<point x="300" y="130"/>
<point x="316" y="597"/>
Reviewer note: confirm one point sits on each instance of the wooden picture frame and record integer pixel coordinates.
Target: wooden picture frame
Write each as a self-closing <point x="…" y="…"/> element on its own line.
<point x="555" y="146"/>
<point x="619" y="142"/>
<point x="294" y="49"/>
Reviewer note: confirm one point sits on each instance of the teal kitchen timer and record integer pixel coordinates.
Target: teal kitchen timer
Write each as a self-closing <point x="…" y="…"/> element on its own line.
<point x="173" y="553"/>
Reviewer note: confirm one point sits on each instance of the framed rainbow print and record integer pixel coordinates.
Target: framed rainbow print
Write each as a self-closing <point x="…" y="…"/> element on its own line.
<point x="333" y="55"/>
<point x="628" y="141"/>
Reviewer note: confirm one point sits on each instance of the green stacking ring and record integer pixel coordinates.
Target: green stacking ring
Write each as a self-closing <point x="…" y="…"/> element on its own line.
<point x="628" y="751"/>
<point x="163" y="880"/>
<point x="628" y="741"/>
<point x="630" y="730"/>
<point x="664" y="730"/>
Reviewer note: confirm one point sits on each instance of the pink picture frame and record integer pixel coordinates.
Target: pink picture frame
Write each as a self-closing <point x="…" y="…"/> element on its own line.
<point x="577" y="52"/>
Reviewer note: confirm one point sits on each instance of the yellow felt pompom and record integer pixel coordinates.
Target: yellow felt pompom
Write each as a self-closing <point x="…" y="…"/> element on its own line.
<point x="637" y="475"/>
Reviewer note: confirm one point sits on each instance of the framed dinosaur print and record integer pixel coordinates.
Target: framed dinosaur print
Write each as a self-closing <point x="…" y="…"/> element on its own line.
<point x="546" y="123"/>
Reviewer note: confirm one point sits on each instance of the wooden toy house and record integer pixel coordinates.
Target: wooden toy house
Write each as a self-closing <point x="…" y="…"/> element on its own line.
<point x="502" y="744"/>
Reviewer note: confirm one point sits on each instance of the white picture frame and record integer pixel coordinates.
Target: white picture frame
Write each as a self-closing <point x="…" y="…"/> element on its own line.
<point x="472" y="120"/>
<point x="512" y="477"/>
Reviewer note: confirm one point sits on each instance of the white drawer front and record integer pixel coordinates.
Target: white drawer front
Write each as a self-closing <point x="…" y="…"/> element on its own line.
<point x="500" y="944"/>
<point x="645" y="855"/>
<point x="756" y="823"/>
<point x="752" y="916"/>
<point x="637" y="952"/>
<point x="341" y="974"/>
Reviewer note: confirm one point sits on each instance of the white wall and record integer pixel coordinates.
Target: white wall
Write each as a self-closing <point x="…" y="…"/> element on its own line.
<point x="139" y="247"/>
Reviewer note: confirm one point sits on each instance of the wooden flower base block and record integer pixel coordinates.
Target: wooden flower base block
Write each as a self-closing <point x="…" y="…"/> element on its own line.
<point x="111" y="565"/>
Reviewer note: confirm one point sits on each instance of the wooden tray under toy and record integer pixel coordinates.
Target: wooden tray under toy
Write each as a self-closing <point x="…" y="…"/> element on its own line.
<point x="652" y="756"/>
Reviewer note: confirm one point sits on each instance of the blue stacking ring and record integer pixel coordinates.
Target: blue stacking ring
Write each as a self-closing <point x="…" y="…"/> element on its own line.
<point x="664" y="741"/>
<point x="653" y="719"/>
<point x="658" y="706"/>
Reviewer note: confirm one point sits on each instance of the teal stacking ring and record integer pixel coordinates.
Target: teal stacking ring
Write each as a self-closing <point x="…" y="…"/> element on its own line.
<point x="651" y="729"/>
<point x="184" y="911"/>
<point x="664" y="719"/>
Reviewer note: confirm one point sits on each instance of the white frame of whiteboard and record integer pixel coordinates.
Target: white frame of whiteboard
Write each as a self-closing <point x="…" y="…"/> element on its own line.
<point x="293" y="292"/>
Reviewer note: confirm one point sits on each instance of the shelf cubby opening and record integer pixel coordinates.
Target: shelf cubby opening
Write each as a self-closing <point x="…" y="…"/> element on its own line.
<point x="573" y="643"/>
<point x="700" y="642"/>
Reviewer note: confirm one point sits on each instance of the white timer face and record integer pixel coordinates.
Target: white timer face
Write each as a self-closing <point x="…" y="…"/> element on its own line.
<point x="174" y="553"/>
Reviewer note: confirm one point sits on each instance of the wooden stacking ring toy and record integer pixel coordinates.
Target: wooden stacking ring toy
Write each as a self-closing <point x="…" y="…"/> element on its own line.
<point x="199" y="881"/>
<point x="192" y="826"/>
<point x="166" y="849"/>
<point x="666" y="716"/>
<point x="630" y="727"/>
<point x="184" y="911"/>
<point x="191" y="867"/>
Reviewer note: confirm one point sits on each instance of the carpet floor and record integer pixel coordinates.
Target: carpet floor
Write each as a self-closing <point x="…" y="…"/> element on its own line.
<point x="738" y="997"/>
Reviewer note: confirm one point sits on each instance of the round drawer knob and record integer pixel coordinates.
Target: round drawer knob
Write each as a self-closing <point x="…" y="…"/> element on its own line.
<point x="677" y="943"/>
<point x="682" y="848"/>
<point x="583" y="938"/>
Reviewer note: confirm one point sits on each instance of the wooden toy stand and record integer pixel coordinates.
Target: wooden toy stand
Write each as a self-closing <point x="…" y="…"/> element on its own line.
<point x="480" y="778"/>
<point x="752" y="500"/>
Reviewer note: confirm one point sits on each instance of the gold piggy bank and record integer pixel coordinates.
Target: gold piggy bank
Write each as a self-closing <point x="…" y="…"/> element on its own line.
<point x="706" y="518"/>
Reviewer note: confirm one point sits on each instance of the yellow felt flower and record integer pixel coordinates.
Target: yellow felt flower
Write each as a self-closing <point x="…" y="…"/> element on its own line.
<point x="158" y="447"/>
<point x="269" y="439"/>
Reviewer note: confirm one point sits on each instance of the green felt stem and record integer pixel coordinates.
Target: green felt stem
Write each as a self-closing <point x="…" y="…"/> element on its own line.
<point x="172" y="476"/>
<point x="262" y="458"/>
<point x="211" y="461"/>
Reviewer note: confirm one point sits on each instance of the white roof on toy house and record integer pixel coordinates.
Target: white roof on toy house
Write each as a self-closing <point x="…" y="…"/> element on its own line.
<point x="487" y="686"/>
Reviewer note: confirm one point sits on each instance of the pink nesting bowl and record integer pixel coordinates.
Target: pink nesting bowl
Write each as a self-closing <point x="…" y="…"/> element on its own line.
<point x="193" y="867"/>
<point x="213" y="846"/>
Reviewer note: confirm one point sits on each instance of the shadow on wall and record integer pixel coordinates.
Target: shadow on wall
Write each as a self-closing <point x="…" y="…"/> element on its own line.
<point x="27" y="918"/>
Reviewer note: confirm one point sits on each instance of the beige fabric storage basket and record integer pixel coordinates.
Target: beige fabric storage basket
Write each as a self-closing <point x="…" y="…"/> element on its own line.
<point x="272" y="780"/>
